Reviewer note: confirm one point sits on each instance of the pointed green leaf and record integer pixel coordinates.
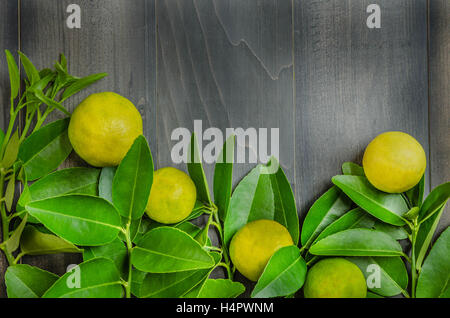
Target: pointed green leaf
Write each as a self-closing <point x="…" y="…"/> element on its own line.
<point x="79" y="219"/>
<point x="434" y="201"/>
<point x="25" y="281"/>
<point x="393" y="274"/>
<point x="327" y="209"/>
<point x="34" y="242"/>
<point x="415" y="195"/>
<point x="252" y="200"/>
<point x="66" y="181"/>
<point x="30" y="70"/>
<point x="9" y="193"/>
<point x="352" y="169"/>
<point x="356" y="218"/>
<point x="220" y="288"/>
<point x="434" y="278"/>
<point x="115" y="251"/>
<point x="168" y="250"/>
<point x="283" y="275"/>
<point x="174" y="285"/>
<point x="14" y="240"/>
<point x="388" y="208"/>
<point x="133" y="180"/>
<point x="105" y="183"/>
<point x="98" y="277"/>
<point x="284" y="201"/>
<point x="81" y="84"/>
<point x="11" y="151"/>
<point x="396" y="232"/>
<point x="45" y="149"/>
<point x="48" y="101"/>
<point x="14" y="76"/>
<point x="197" y="173"/>
<point x="425" y="235"/>
<point x="357" y="242"/>
<point x="223" y="177"/>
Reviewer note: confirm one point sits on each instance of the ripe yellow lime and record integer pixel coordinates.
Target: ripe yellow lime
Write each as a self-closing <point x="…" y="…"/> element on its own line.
<point x="394" y="162"/>
<point x="254" y="244"/>
<point x="172" y="196"/>
<point x="103" y="127"/>
<point x="335" y="278"/>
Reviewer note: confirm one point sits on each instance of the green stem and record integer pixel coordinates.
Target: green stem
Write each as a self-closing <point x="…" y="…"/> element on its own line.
<point x="130" y="267"/>
<point x="226" y="257"/>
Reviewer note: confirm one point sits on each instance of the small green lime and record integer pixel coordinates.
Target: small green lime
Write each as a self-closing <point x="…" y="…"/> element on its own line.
<point x="335" y="278"/>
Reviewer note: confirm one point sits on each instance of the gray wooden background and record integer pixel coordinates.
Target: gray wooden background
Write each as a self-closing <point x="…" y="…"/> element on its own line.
<point x="309" y="67"/>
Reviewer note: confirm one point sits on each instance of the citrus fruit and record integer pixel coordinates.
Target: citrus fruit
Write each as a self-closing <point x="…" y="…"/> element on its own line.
<point x="172" y="196"/>
<point x="254" y="244"/>
<point x="335" y="278"/>
<point x="103" y="127"/>
<point x="394" y="162"/>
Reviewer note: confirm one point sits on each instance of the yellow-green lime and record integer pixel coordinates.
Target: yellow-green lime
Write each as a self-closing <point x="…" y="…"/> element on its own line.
<point x="172" y="196"/>
<point x="394" y="162"/>
<point x="253" y="245"/>
<point x="335" y="278"/>
<point x="103" y="127"/>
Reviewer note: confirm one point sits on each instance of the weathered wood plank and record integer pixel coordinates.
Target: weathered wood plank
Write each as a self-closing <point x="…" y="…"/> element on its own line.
<point x="229" y="64"/>
<point x="353" y="83"/>
<point x="117" y="37"/>
<point x="8" y="40"/>
<point x="439" y="61"/>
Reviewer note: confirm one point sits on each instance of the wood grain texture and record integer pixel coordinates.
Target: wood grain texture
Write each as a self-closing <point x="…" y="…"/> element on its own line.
<point x="8" y="40"/>
<point x="229" y="64"/>
<point x="116" y="37"/>
<point x="439" y="71"/>
<point x="353" y="83"/>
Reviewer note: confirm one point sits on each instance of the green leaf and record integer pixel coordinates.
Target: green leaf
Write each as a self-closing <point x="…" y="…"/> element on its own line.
<point x="14" y="240"/>
<point x="167" y="250"/>
<point x="81" y="84"/>
<point x="9" y="193"/>
<point x="352" y="169"/>
<point x="415" y="195"/>
<point x="173" y="285"/>
<point x="356" y="218"/>
<point x="133" y="180"/>
<point x="223" y="177"/>
<point x="327" y="209"/>
<point x="45" y="149"/>
<point x="434" y="201"/>
<point x="11" y="151"/>
<point x="283" y="275"/>
<point x="220" y="288"/>
<point x="393" y="274"/>
<point x="252" y="200"/>
<point x="137" y="277"/>
<point x="66" y="181"/>
<point x="79" y="219"/>
<point x="425" y="235"/>
<point x="357" y="242"/>
<point x="14" y="76"/>
<point x="197" y="173"/>
<point x="106" y="182"/>
<point x="98" y="278"/>
<point x="34" y="242"/>
<point x="25" y="281"/>
<point x="434" y="278"/>
<point x="396" y="232"/>
<point x="30" y="70"/>
<point x="389" y="208"/>
<point x="115" y="251"/>
<point x="284" y="201"/>
<point x="48" y="101"/>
